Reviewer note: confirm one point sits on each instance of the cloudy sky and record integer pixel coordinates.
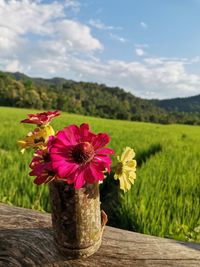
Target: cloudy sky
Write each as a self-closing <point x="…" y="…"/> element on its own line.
<point x="150" y="48"/>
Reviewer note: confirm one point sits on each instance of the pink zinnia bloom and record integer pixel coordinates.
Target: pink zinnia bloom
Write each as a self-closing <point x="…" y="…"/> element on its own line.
<point x="41" y="167"/>
<point x="41" y="118"/>
<point x="78" y="155"/>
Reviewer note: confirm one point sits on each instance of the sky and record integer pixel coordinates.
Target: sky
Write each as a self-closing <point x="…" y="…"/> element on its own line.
<point x="149" y="48"/>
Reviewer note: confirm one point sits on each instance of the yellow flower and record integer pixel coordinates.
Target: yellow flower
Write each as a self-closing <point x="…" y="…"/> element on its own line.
<point x="37" y="139"/>
<point x="125" y="169"/>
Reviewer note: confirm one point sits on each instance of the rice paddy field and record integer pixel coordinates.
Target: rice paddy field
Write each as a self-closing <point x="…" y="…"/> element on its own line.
<point x="165" y="199"/>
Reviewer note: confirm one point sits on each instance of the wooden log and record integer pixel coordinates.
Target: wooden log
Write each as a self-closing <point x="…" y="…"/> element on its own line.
<point x="26" y="239"/>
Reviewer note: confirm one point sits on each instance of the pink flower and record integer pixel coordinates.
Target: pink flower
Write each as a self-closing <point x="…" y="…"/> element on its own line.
<point x="78" y="155"/>
<point x="41" y="167"/>
<point x="41" y="118"/>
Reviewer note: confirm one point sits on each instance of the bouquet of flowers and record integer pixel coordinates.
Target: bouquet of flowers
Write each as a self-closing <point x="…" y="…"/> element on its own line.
<point x="73" y="161"/>
<point x="75" y="154"/>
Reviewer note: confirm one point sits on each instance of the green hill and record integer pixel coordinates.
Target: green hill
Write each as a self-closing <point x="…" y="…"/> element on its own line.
<point x="99" y="100"/>
<point x="186" y="104"/>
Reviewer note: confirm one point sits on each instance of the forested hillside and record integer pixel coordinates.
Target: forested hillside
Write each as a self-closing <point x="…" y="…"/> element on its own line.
<point x="186" y="104"/>
<point x="19" y="90"/>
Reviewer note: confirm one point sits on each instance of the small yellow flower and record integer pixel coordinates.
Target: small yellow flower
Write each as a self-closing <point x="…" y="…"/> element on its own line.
<point x="37" y="139"/>
<point x="126" y="168"/>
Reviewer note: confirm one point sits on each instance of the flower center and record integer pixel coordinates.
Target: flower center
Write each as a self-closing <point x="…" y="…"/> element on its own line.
<point x="38" y="140"/>
<point x="119" y="168"/>
<point x="82" y="152"/>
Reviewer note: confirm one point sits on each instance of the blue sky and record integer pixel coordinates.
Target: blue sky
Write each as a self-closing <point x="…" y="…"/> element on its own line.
<point x="170" y="28"/>
<point x="150" y="48"/>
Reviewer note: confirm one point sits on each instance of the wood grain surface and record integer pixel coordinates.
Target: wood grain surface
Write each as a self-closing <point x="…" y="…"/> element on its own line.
<point x="26" y="239"/>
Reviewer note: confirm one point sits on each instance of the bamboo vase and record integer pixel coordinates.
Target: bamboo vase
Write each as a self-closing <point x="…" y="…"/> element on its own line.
<point x="76" y="218"/>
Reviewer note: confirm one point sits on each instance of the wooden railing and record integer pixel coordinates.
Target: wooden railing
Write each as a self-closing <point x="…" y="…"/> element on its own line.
<point x="26" y="239"/>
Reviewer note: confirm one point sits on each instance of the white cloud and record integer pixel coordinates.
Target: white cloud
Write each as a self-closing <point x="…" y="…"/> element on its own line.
<point x="77" y="36"/>
<point x="196" y="60"/>
<point x="28" y="16"/>
<point x="30" y="26"/>
<point x="139" y="52"/>
<point x="13" y="66"/>
<point x="21" y="18"/>
<point x="73" y="5"/>
<point x="99" y="25"/>
<point x="117" y="38"/>
<point x="143" y="25"/>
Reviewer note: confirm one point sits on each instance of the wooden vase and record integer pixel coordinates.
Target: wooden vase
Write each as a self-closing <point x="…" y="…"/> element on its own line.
<point x="76" y="218"/>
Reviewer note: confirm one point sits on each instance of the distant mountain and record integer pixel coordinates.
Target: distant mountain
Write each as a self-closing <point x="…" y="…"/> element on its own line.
<point x="40" y="81"/>
<point x="20" y="90"/>
<point x="186" y="104"/>
<point x="18" y="75"/>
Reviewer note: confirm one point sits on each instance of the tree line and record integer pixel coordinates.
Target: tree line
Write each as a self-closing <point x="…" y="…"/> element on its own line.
<point x="99" y="100"/>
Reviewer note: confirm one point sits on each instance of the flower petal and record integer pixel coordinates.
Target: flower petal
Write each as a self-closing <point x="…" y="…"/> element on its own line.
<point x="105" y="160"/>
<point x="79" y="180"/>
<point x="106" y="150"/>
<point x="40" y="180"/>
<point x="64" y="152"/>
<point x="96" y="172"/>
<point x="124" y="182"/>
<point x="130" y="165"/>
<point x="72" y="133"/>
<point x="131" y="176"/>
<point x="88" y="176"/>
<point x="128" y="154"/>
<point x="62" y="138"/>
<point x="100" y="140"/>
<point x="41" y="118"/>
<point x="64" y="168"/>
<point x="84" y="129"/>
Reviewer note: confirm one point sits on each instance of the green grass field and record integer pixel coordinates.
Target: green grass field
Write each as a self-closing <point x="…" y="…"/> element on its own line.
<point x="165" y="199"/>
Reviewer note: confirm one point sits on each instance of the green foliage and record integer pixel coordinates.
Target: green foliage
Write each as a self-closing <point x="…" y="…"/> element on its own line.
<point x="165" y="198"/>
<point x="92" y="99"/>
<point x="186" y="104"/>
